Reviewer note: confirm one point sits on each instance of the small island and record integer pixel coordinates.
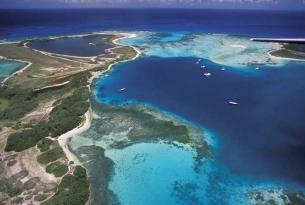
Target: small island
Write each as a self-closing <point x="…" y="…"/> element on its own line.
<point x="292" y="49"/>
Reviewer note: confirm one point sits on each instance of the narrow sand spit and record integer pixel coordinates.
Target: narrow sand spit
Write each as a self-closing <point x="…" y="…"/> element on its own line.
<point x="125" y="35"/>
<point x="62" y="140"/>
<point x="238" y="46"/>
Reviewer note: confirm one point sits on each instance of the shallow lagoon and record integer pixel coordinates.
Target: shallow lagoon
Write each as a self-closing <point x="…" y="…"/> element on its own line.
<point x="8" y="67"/>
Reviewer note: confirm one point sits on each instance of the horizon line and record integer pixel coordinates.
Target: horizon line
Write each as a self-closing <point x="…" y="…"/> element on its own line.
<point x="139" y="8"/>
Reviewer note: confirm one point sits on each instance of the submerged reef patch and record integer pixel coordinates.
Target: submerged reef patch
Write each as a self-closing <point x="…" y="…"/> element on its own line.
<point x="277" y="197"/>
<point x="228" y="50"/>
<point x="116" y="127"/>
<point x="100" y="170"/>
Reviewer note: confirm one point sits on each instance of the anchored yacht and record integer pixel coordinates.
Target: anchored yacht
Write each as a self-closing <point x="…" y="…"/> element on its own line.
<point x="233" y="103"/>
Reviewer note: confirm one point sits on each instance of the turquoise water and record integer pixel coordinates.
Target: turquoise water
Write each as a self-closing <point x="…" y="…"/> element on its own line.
<point x="227" y="50"/>
<point x="150" y="170"/>
<point x="159" y="87"/>
<point x="163" y="174"/>
<point x="260" y="143"/>
<point x="8" y="67"/>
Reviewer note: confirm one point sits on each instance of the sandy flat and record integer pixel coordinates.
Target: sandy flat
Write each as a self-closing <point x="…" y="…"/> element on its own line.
<point x="238" y="46"/>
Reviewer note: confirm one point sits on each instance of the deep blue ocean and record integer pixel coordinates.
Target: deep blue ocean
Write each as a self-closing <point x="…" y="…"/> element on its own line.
<point x="264" y="136"/>
<point x="260" y="141"/>
<point x="16" y="24"/>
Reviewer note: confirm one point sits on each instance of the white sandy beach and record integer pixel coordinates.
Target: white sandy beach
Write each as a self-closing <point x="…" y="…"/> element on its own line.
<point x="62" y="140"/>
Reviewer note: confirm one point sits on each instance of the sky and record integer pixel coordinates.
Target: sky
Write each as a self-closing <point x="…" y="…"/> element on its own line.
<point x="218" y="4"/>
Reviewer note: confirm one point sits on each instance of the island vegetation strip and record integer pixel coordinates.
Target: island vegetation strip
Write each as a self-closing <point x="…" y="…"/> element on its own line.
<point x="62" y="141"/>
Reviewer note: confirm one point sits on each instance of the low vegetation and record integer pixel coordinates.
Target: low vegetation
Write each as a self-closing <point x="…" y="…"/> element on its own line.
<point x="9" y="189"/>
<point x="73" y="189"/>
<point x="40" y="197"/>
<point x="66" y="115"/>
<point x="290" y="50"/>
<point x="21" y="101"/>
<point x="50" y="156"/>
<point x="3" y="103"/>
<point x="27" y="138"/>
<point x="57" y="169"/>
<point x="21" y="94"/>
<point x="45" y="144"/>
<point x="126" y="52"/>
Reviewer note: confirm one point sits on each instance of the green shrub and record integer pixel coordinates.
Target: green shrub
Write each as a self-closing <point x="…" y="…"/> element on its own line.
<point x="14" y="191"/>
<point x="72" y="190"/>
<point x="64" y="117"/>
<point x="20" y="141"/>
<point x="20" y="101"/>
<point x="40" y="197"/>
<point x="57" y="168"/>
<point x="50" y="156"/>
<point x="68" y="113"/>
<point x="44" y="144"/>
<point x="17" y="200"/>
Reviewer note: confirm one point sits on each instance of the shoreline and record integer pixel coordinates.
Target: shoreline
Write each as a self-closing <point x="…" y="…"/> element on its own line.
<point x="96" y="74"/>
<point x="83" y="126"/>
<point x="283" y="58"/>
<point x="115" y="41"/>
<point x="60" y="56"/>
<point x="63" y="139"/>
<point x="90" y="58"/>
<point x="28" y="64"/>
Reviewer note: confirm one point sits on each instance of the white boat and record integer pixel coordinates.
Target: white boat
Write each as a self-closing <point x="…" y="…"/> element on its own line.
<point x="198" y="61"/>
<point x="223" y="69"/>
<point x="203" y="66"/>
<point x="122" y="89"/>
<point x="207" y="74"/>
<point x="233" y="103"/>
<point x="257" y="68"/>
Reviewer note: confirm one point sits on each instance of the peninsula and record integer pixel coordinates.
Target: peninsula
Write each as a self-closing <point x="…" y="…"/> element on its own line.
<point x="39" y="104"/>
